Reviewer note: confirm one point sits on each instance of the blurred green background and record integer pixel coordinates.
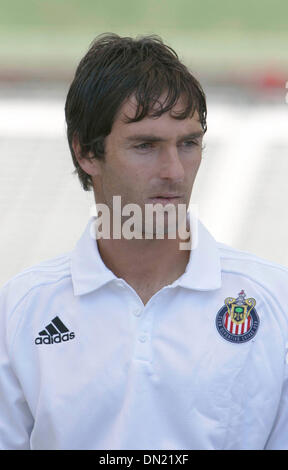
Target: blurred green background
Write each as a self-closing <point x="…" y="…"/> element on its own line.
<point x="223" y="40"/>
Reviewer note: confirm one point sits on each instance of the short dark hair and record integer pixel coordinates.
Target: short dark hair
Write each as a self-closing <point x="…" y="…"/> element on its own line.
<point x="113" y="69"/>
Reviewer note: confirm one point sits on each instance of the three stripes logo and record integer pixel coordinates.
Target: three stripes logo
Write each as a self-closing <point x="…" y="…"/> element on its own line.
<point x="55" y="332"/>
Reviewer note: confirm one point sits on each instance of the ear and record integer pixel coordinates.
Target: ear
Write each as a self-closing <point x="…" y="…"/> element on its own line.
<point x="91" y="166"/>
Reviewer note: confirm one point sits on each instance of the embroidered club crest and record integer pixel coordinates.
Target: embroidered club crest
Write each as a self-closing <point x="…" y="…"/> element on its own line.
<point x="237" y="321"/>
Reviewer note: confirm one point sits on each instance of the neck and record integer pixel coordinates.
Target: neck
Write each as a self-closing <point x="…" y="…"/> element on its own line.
<point x="136" y="260"/>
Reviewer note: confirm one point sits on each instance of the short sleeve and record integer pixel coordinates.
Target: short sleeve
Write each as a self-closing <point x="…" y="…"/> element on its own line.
<point x="278" y="439"/>
<point x="16" y="421"/>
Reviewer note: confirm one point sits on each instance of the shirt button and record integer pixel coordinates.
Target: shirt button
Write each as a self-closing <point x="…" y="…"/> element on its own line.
<point x="142" y="338"/>
<point x="137" y="312"/>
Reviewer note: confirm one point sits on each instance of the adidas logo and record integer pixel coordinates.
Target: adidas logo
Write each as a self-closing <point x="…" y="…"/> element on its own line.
<point x="55" y="332"/>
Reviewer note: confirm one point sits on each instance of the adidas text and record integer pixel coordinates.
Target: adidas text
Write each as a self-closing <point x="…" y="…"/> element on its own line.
<point x="55" y="338"/>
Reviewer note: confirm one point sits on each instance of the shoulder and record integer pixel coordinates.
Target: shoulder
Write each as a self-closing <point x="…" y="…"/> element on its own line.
<point x="35" y="277"/>
<point x="247" y="263"/>
<point x="266" y="276"/>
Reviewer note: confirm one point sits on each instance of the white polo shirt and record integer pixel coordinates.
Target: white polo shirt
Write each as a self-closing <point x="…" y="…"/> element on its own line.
<point x="203" y="365"/>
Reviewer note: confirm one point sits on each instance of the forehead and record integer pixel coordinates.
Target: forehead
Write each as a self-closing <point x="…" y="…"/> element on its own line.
<point x="165" y="123"/>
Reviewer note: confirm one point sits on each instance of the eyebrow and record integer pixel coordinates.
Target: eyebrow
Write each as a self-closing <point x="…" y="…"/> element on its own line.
<point x="155" y="138"/>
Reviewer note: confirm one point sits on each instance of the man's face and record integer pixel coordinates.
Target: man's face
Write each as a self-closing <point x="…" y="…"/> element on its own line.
<point x="148" y="159"/>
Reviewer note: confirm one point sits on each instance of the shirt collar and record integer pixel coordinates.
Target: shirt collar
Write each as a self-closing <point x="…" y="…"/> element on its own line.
<point x="203" y="271"/>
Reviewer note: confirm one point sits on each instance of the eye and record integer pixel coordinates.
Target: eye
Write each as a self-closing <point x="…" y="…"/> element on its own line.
<point x="190" y="143"/>
<point x="144" y="146"/>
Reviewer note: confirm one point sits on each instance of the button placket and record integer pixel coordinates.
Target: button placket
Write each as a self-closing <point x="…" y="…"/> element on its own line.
<point x="142" y="333"/>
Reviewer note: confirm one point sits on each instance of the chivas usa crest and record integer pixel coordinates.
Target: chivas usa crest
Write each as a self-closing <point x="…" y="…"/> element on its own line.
<point x="237" y="321"/>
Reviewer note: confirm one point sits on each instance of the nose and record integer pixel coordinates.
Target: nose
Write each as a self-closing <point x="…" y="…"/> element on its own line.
<point x="170" y="166"/>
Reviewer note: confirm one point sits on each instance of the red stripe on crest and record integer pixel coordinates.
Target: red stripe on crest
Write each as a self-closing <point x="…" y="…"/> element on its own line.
<point x="249" y="323"/>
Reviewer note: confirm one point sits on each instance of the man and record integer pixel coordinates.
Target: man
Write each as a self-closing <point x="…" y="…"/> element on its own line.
<point x="133" y="342"/>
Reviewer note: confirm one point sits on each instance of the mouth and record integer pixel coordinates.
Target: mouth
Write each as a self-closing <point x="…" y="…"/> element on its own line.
<point x="165" y="199"/>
